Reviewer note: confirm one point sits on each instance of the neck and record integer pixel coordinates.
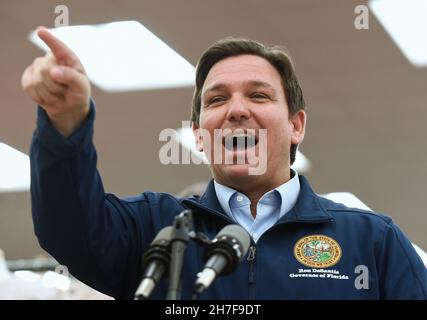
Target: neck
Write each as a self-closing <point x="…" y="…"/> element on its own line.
<point x="254" y="189"/>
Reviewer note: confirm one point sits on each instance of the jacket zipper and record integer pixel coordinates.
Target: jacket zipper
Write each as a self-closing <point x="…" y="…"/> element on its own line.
<point x="251" y="260"/>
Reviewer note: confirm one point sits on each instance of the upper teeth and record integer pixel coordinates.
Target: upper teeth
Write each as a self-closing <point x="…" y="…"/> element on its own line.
<point x="239" y="135"/>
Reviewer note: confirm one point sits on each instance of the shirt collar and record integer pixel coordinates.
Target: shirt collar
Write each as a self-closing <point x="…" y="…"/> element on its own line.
<point x="285" y="194"/>
<point x="307" y="209"/>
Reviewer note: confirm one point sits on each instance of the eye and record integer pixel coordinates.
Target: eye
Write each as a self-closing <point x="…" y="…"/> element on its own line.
<point x="216" y="100"/>
<point x="259" y="96"/>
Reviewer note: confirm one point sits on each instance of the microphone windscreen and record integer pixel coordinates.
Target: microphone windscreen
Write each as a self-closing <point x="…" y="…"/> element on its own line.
<point x="237" y="232"/>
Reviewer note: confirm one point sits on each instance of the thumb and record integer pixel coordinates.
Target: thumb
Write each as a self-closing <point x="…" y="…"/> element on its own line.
<point x="68" y="76"/>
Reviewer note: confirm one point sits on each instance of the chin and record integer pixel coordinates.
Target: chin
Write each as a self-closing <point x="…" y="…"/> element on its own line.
<point x="237" y="172"/>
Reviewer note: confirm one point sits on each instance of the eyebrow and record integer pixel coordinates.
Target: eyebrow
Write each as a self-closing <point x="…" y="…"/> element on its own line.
<point x="251" y="83"/>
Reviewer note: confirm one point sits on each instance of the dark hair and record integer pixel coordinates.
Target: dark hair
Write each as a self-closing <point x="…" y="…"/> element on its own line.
<point x="277" y="56"/>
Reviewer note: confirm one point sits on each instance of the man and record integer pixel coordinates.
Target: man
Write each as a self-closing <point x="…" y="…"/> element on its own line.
<point x="302" y="247"/>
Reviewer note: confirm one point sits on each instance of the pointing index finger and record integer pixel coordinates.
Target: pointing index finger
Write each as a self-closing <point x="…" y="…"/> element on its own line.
<point x="59" y="49"/>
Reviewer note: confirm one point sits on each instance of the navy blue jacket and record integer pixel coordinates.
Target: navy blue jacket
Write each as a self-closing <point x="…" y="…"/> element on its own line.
<point x="101" y="238"/>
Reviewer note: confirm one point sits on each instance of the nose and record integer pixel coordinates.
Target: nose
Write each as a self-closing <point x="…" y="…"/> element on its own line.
<point x="238" y="110"/>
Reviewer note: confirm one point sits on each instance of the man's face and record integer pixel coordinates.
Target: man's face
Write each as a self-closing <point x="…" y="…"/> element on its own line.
<point x="241" y="93"/>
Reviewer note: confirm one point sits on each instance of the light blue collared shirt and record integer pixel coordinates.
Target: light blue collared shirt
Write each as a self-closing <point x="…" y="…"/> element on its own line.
<point x="270" y="208"/>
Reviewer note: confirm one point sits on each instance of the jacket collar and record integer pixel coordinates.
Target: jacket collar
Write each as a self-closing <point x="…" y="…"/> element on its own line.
<point x="307" y="208"/>
<point x="207" y="202"/>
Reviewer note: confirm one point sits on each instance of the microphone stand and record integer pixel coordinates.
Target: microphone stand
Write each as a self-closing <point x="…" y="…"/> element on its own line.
<point x="182" y="226"/>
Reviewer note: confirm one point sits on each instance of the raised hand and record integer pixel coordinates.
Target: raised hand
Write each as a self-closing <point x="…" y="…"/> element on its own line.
<point x="59" y="84"/>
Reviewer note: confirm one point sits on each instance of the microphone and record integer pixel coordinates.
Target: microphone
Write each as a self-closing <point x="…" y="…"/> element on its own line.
<point x="222" y="256"/>
<point x="155" y="263"/>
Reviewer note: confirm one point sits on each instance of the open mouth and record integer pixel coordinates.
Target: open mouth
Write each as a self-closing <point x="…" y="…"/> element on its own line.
<point x="240" y="141"/>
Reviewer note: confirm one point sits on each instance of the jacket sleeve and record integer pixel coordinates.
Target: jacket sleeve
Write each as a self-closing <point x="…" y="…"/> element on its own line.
<point x="96" y="235"/>
<point x="403" y="275"/>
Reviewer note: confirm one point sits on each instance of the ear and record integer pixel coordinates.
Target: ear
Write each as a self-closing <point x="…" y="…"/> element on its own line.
<point x="197" y="136"/>
<point x="298" y="121"/>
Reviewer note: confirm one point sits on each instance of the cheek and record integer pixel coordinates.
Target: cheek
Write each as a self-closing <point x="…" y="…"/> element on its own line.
<point x="206" y="118"/>
<point x="279" y="135"/>
<point x="211" y="119"/>
<point x="207" y="126"/>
